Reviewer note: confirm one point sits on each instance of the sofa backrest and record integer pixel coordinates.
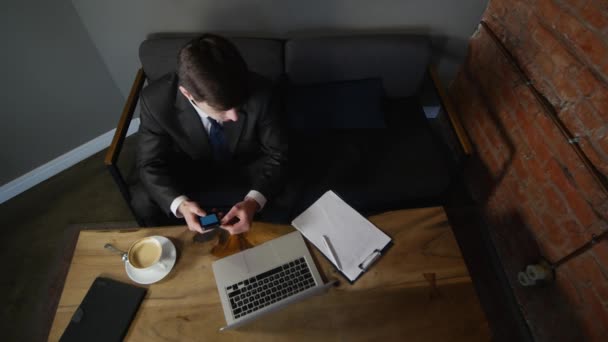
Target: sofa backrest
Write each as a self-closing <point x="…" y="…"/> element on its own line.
<point x="400" y="60"/>
<point x="158" y="56"/>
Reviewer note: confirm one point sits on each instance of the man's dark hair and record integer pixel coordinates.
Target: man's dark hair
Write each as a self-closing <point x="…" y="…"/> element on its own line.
<point x="212" y="70"/>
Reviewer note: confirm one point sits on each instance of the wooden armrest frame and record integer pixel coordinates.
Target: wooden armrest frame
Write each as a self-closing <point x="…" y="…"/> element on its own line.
<point x="119" y="137"/>
<point x="447" y="104"/>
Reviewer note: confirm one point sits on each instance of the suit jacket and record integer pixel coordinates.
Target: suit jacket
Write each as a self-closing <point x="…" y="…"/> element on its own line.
<point x="172" y="136"/>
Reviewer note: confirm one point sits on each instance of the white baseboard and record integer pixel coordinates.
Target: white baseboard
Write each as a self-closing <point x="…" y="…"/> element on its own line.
<point x="48" y="170"/>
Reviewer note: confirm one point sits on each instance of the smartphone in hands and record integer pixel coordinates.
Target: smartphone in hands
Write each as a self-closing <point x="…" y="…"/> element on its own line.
<point x="209" y="222"/>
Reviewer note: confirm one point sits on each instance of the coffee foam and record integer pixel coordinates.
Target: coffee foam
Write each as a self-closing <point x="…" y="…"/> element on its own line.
<point x="145" y="253"/>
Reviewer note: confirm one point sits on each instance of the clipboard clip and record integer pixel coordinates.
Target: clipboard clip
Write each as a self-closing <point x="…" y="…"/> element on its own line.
<point x="370" y="260"/>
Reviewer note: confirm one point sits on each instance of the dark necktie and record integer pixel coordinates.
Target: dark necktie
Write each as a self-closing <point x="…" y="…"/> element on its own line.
<point x="217" y="139"/>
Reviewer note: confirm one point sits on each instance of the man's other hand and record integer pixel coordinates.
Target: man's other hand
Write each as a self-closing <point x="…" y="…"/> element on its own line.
<point x="244" y="212"/>
<point x="191" y="211"/>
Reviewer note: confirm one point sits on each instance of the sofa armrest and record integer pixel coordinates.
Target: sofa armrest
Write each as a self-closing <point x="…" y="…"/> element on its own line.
<point x="446" y="103"/>
<point x="125" y="119"/>
<point x="119" y="136"/>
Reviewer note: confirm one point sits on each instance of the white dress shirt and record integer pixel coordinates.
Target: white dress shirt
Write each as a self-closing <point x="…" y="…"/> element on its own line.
<point x="255" y="195"/>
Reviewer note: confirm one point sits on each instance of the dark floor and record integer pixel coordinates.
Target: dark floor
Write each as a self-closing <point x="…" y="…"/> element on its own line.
<point x="39" y="224"/>
<point x="491" y="283"/>
<point x="34" y="228"/>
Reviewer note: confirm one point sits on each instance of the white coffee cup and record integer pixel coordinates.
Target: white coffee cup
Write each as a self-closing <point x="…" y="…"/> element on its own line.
<point x="146" y="254"/>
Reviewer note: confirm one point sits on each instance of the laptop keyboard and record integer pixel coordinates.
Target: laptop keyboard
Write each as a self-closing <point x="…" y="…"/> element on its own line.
<point x="269" y="287"/>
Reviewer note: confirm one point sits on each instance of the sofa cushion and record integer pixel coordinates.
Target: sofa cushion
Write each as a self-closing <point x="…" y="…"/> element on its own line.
<point x="158" y="55"/>
<point x="399" y="60"/>
<point x="342" y="105"/>
<point x="402" y="165"/>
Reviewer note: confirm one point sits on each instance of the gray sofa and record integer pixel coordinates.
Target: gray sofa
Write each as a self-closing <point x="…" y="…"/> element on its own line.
<point x="377" y="151"/>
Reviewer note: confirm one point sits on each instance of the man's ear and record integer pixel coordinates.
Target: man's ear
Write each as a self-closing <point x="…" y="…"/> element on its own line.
<point x="185" y="92"/>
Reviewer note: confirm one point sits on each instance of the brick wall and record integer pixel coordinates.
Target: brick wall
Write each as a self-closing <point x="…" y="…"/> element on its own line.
<point x="540" y="198"/>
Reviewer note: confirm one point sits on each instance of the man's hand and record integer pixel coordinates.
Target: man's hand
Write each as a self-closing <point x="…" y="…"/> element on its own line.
<point x="244" y="212"/>
<point x="191" y="211"/>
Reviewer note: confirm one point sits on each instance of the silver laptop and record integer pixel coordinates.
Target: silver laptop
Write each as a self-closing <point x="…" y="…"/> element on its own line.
<point x="266" y="278"/>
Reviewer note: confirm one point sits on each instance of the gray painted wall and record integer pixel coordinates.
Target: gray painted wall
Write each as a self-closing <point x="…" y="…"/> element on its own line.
<point x="117" y="26"/>
<point x="56" y="92"/>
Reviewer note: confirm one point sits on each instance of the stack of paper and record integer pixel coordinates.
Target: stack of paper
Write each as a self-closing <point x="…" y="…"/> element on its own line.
<point x="331" y="224"/>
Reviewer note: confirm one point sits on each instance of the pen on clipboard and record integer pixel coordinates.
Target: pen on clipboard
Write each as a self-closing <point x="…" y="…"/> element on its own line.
<point x="332" y="252"/>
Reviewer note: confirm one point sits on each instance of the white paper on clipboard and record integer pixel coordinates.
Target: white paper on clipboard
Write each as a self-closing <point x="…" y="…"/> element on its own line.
<point x="354" y="239"/>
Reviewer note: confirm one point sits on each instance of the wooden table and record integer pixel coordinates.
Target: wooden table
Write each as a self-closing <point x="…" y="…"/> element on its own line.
<point x="419" y="290"/>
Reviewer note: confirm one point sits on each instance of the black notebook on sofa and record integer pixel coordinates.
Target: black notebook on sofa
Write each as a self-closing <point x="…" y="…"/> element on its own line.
<point x="105" y="313"/>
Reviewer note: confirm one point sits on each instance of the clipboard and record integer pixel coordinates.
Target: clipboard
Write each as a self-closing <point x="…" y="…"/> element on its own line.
<point x="346" y="238"/>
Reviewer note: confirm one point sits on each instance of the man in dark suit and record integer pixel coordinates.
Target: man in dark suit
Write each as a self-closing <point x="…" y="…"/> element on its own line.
<point x="207" y="133"/>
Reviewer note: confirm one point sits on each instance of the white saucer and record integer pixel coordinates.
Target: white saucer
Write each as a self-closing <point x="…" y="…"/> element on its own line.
<point x="146" y="277"/>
